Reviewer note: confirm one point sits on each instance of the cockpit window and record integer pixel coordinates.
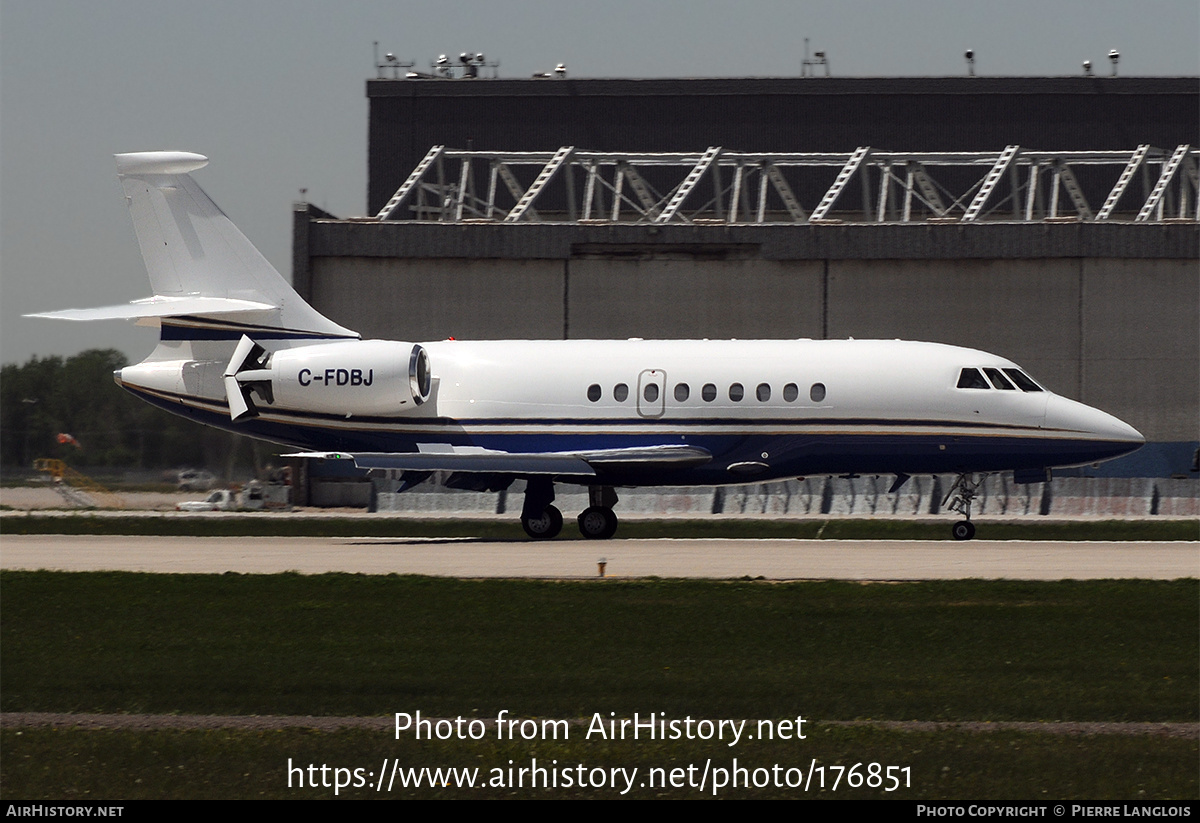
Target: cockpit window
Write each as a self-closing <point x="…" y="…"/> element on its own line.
<point x="972" y="379"/>
<point x="1022" y="380"/>
<point x="998" y="379"/>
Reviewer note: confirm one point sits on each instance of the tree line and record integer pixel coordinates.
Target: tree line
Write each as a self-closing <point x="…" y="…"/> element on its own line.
<point x="70" y="409"/>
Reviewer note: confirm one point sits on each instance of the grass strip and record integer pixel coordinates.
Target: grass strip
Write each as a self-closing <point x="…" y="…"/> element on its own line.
<point x="509" y="529"/>
<point x="340" y="644"/>
<point x="52" y="764"/>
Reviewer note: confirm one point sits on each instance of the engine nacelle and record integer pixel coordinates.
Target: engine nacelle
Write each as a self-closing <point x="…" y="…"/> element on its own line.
<point x="350" y="378"/>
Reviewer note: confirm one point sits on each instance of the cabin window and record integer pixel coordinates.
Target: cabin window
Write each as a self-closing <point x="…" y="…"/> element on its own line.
<point x="594" y="392"/>
<point x="650" y="392"/>
<point x="736" y="392"/>
<point x="998" y="379"/>
<point x="709" y="392"/>
<point x="763" y="392"/>
<point x="682" y="391"/>
<point x="620" y="392"/>
<point x="1022" y="380"/>
<point x="817" y="392"/>
<point x="972" y="379"/>
<point x="790" y="392"/>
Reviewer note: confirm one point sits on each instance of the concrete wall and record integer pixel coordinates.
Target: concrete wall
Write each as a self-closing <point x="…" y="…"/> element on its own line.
<point x="1118" y="334"/>
<point x="1024" y="310"/>
<point x="401" y="299"/>
<point x="684" y="298"/>
<point x="1140" y="323"/>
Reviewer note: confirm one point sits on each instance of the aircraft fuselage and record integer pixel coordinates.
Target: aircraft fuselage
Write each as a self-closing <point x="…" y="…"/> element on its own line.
<point x="764" y="409"/>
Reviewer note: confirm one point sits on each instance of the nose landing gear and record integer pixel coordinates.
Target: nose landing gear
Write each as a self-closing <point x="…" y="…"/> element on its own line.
<point x="963" y="493"/>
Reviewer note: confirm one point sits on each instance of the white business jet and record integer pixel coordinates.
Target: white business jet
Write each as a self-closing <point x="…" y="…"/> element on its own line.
<point x="240" y="350"/>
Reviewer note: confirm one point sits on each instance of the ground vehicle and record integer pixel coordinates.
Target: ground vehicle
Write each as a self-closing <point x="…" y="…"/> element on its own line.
<point x="219" y="500"/>
<point x="195" y="480"/>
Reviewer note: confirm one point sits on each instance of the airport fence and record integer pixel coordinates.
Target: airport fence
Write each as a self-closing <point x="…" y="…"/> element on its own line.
<point x="841" y="497"/>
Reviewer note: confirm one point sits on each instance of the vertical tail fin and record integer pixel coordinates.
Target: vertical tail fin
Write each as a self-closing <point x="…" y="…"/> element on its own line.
<point x="192" y="249"/>
<point x="203" y="271"/>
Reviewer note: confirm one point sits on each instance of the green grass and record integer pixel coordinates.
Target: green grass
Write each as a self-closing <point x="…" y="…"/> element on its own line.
<point x="352" y="644"/>
<point x="952" y="765"/>
<point x="508" y="528"/>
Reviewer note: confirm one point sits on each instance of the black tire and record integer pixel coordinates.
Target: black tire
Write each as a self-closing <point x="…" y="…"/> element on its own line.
<point x="597" y="523"/>
<point x="545" y="527"/>
<point x="963" y="530"/>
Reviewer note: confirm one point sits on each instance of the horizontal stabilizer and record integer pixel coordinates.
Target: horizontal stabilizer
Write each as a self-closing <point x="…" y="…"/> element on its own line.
<point x="158" y="307"/>
<point x="160" y="162"/>
<point x="475" y="459"/>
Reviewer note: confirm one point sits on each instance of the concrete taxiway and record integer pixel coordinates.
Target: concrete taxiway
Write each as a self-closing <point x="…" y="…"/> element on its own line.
<point x="578" y="559"/>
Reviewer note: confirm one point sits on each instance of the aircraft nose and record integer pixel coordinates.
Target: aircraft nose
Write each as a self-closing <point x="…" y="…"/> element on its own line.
<point x="1092" y="424"/>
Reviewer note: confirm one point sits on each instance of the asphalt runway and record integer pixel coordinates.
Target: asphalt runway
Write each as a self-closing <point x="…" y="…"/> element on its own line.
<point x="578" y="559"/>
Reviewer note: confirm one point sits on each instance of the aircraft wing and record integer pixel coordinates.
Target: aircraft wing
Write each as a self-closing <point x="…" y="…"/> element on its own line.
<point x="475" y="459"/>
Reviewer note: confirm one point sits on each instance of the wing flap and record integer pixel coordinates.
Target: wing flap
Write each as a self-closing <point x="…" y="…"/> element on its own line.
<point x="479" y="461"/>
<point x="675" y="456"/>
<point x="475" y="459"/>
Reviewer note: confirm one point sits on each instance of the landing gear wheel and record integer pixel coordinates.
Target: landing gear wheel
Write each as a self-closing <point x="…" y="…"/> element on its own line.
<point x="544" y="527"/>
<point x="598" y="523"/>
<point x="963" y="530"/>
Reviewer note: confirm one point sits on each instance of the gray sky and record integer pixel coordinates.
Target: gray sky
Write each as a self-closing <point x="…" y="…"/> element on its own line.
<point x="272" y="91"/>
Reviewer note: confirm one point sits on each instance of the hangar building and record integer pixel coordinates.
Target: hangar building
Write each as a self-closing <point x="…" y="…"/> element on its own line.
<point x="1050" y="220"/>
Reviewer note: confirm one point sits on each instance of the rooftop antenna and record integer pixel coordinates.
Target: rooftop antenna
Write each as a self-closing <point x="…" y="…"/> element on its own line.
<point x="1114" y="56"/>
<point x="560" y="71"/>
<point x="970" y="55"/>
<point x="390" y="61"/>
<point x="808" y="66"/>
<point x="466" y="67"/>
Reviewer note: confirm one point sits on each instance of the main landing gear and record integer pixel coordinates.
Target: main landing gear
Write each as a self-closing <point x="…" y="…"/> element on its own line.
<point x="598" y="522"/>
<point x="543" y="521"/>
<point x="963" y="493"/>
<point x="545" y="526"/>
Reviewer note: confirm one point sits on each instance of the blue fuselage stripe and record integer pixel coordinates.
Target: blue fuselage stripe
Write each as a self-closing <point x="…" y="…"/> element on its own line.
<point x="871" y="449"/>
